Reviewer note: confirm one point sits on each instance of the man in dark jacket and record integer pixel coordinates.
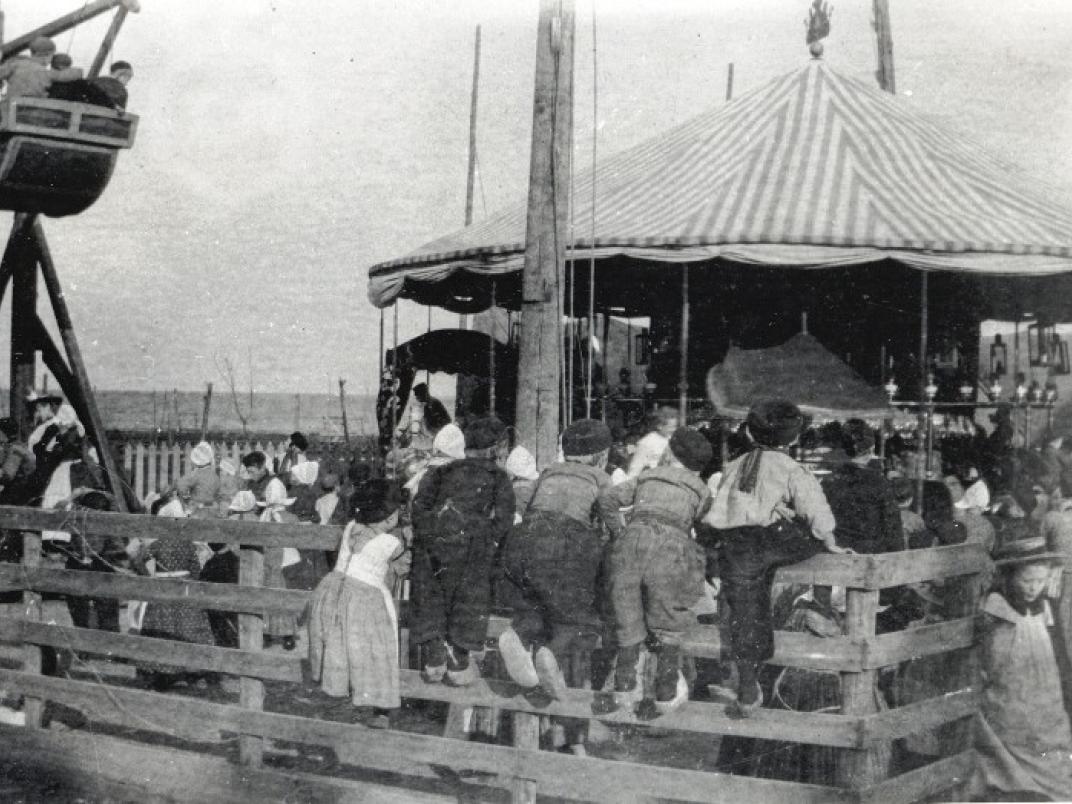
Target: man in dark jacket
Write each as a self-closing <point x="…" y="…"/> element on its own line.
<point x="461" y="515"/>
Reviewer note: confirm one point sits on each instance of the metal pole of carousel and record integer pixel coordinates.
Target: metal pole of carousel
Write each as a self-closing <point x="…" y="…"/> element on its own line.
<point x="538" y="401"/>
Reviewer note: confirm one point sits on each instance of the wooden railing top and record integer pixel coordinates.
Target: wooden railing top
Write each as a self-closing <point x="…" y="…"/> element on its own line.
<point x="877" y="571"/>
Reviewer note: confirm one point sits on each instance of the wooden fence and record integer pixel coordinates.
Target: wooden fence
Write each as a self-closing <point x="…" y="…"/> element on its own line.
<point x="856" y="732"/>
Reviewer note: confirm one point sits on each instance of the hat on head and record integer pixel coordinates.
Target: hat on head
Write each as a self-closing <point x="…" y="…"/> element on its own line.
<point x="202" y="454"/>
<point x="243" y="502"/>
<point x="977" y="496"/>
<point x="227" y="467"/>
<point x="275" y="493"/>
<point x="1032" y="550"/>
<point x="120" y="65"/>
<point x="44" y="398"/>
<point x="691" y="448"/>
<point x="521" y="464"/>
<point x="172" y="509"/>
<point x="483" y="433"/>
<point x="42" y="46"/>
<point x="305" y="472"/>
<point x="298" y="439"/>
<point x="585" y="437"/>
<point x="857" y="437"/>
<point x="775" y="422"/>
<point x="450" y="441"/>
<point x="374" y="501"/>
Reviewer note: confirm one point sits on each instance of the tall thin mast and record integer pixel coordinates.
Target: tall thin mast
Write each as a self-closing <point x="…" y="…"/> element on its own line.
<point x="470" y="180"/>
<point x="545" y="240"/>
<point x="884" y="41"/>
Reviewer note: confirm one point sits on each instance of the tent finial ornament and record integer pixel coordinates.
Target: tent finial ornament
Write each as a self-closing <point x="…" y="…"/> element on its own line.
<point x="818" y="26"/>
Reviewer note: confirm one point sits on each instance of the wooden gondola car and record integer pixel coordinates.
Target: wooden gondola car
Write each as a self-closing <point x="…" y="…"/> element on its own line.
<point x="56" y="157"/>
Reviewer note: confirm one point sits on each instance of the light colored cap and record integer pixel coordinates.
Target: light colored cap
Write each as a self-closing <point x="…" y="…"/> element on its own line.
<point x="305" y="472"/>
<point x="172" y="510"/>
<point x="243" y="502"/>
<point x="450" y="441"/>
<point x="202" y="454"/>
<point x="521" y="464"/>
<point x="977" y="496"/>
<point x="276" y="494"/>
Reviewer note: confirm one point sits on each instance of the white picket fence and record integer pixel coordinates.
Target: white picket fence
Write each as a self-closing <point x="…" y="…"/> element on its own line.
<point x="153" y="467"/>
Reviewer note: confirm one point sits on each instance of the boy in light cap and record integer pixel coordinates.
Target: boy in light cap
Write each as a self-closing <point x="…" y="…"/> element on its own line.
<point x="462" y="512"/>
<point x="656" y="570"/>
<point x="769" y="511"/>
<point x="552" y="560"/>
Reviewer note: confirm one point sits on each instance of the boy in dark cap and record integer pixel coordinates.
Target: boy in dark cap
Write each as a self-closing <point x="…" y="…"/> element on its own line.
<point x="769" y="511"/>
<point x="551" y="562"/>
<point x="656" y="570"/>
<point x="461" y="514"/>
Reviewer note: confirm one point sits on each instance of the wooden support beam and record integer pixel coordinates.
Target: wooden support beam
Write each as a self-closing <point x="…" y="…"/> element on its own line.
<point x="131" y="526"/>
<point x="118" y="485"/>
<point x="31" y="602"/>
<point x="856" y="768"/>
<point x="186" y="655"/>
<point x="108" y="42"/>
<point x="922" y="784"/>
<point x="23" y="315"/>
<point x="538" y="402"/>
<point x="64" y="23"/>
<point x="251" y="638"/>
<point x="197" y="594"/>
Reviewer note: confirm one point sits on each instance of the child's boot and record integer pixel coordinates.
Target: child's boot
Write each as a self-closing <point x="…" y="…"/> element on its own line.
<point x="628" y="682"/>
<point x="517" y="659"/>
<point x="671" y="688"/>
<point x="749" y="693"/>
<point x="549" y="673"/>
<point x="461" y="672"/>
<point x="435" y="661"/>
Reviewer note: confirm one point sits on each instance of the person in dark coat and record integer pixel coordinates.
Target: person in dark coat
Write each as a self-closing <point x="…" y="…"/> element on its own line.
<point x="865" y="511"/>
<point x="255" y="465"/>
<point x="461" y="514"/>
<point x="93" y="553"/>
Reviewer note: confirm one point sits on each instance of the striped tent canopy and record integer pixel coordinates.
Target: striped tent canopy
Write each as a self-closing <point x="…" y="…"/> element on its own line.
<point x="811" y="170"/>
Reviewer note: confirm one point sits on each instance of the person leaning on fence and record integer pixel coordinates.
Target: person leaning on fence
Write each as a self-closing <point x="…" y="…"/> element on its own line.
<point x="93" y="553"/>
<point x="768" y="511"/>
<point x="655" y="570"/>
<point x="1023" y="740"/>
<point x="353" y="625"/>
<point x="551" y="562"/>
<point x="228" y="487"/>
<point x="255" y="471"/>
<point x="280" y="627"/>
<point x="223" y="566"/>
<point x="461" y="514"/>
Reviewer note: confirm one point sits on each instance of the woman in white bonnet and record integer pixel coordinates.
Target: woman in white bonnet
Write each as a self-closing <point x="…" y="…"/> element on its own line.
<point x="200" y="486"/>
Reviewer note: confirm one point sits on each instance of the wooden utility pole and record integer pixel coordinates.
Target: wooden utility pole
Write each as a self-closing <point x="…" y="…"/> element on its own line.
<point x="109" y="42"/>
<point x="545" y="239"/>
<point x="729" y="82"/>
<point x="23" y="271"/>
<point x="470" y="180"/>
<point x="342" y="404"/>
<point x="205" y="408"/>
<point x="884" y="41"/>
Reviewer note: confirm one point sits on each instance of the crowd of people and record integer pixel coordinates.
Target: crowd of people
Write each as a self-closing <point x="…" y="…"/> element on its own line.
<point x="45" y="73"/>
<point x="614" y="553"/>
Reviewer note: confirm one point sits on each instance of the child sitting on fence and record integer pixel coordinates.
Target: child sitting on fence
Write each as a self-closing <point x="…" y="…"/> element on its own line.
<point x="655" y="570"/>
<point x="768" y="511"/>
<point x="1023" y="739"/>
<point x="353" y="625"/>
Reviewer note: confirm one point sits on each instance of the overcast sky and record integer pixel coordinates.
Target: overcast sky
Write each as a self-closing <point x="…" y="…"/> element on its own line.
<point x="286" y="146"/>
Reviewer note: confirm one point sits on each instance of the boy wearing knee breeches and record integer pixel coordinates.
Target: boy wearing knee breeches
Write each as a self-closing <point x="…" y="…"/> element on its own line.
<point x="655" y="569"/>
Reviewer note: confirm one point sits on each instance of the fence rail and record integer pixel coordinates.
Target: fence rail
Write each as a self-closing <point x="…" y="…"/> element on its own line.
<point x="854" y="732"/>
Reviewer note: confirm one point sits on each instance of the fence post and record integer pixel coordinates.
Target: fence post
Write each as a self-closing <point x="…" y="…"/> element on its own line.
<point x="526" y="737"/>
<point x="31" y="654"/>
<point x="251" y="637"/>
<point x="139" y="471"/>
<point x="858" y="767"/>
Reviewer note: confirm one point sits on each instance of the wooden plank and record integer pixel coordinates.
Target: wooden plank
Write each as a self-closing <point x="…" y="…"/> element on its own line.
<point x="922" y="784"/>
<point x="152" y="470"/>
<point x="883" y="570"/>
<point x="220" y="596"/>
<point x="556" y="774"/>
<point x="926" y="640"/>
<point x="139" y="648"/>
<point x="816" y="728"/>
<point x="526" y="737"/>
<point x="99" y="766"/>
<point x="129" y="526"/>
<point x="791" y="649"/>
<point x="251" y="638"/>
<point x="139" y="471"/>
<point x="919" y="716"/>
<point x="857" y="768"/>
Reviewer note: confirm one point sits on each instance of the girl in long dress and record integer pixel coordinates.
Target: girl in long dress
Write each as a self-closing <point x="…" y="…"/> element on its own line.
<point x="1023" y="739"/>
<point x="353" y="625"/>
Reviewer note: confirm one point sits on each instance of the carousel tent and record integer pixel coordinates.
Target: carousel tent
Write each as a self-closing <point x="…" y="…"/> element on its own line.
<point x="800" y="369"/>
<point x="813" y="170"/>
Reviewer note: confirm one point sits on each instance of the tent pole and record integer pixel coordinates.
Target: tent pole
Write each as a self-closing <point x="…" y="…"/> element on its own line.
<point x="572" y="346"/>
<point x="470" y="180"/>
<point x="394" y="407"/>
<point x="381" y="345"/>
<point x="606" y="366"/>
<point x="683" y="380"/>
<point x="491" y="356"/>
<point x="923" y="445"/>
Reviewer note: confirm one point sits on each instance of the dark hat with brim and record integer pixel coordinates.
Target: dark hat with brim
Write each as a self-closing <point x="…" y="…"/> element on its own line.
<point x="775" y="422"/>
<point x="483" y="433"/>
<point x="374" y="501"/>
<point x="691" y="448"/>
<point x="585" y="437"/>
<point x="1032" y="550"/>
